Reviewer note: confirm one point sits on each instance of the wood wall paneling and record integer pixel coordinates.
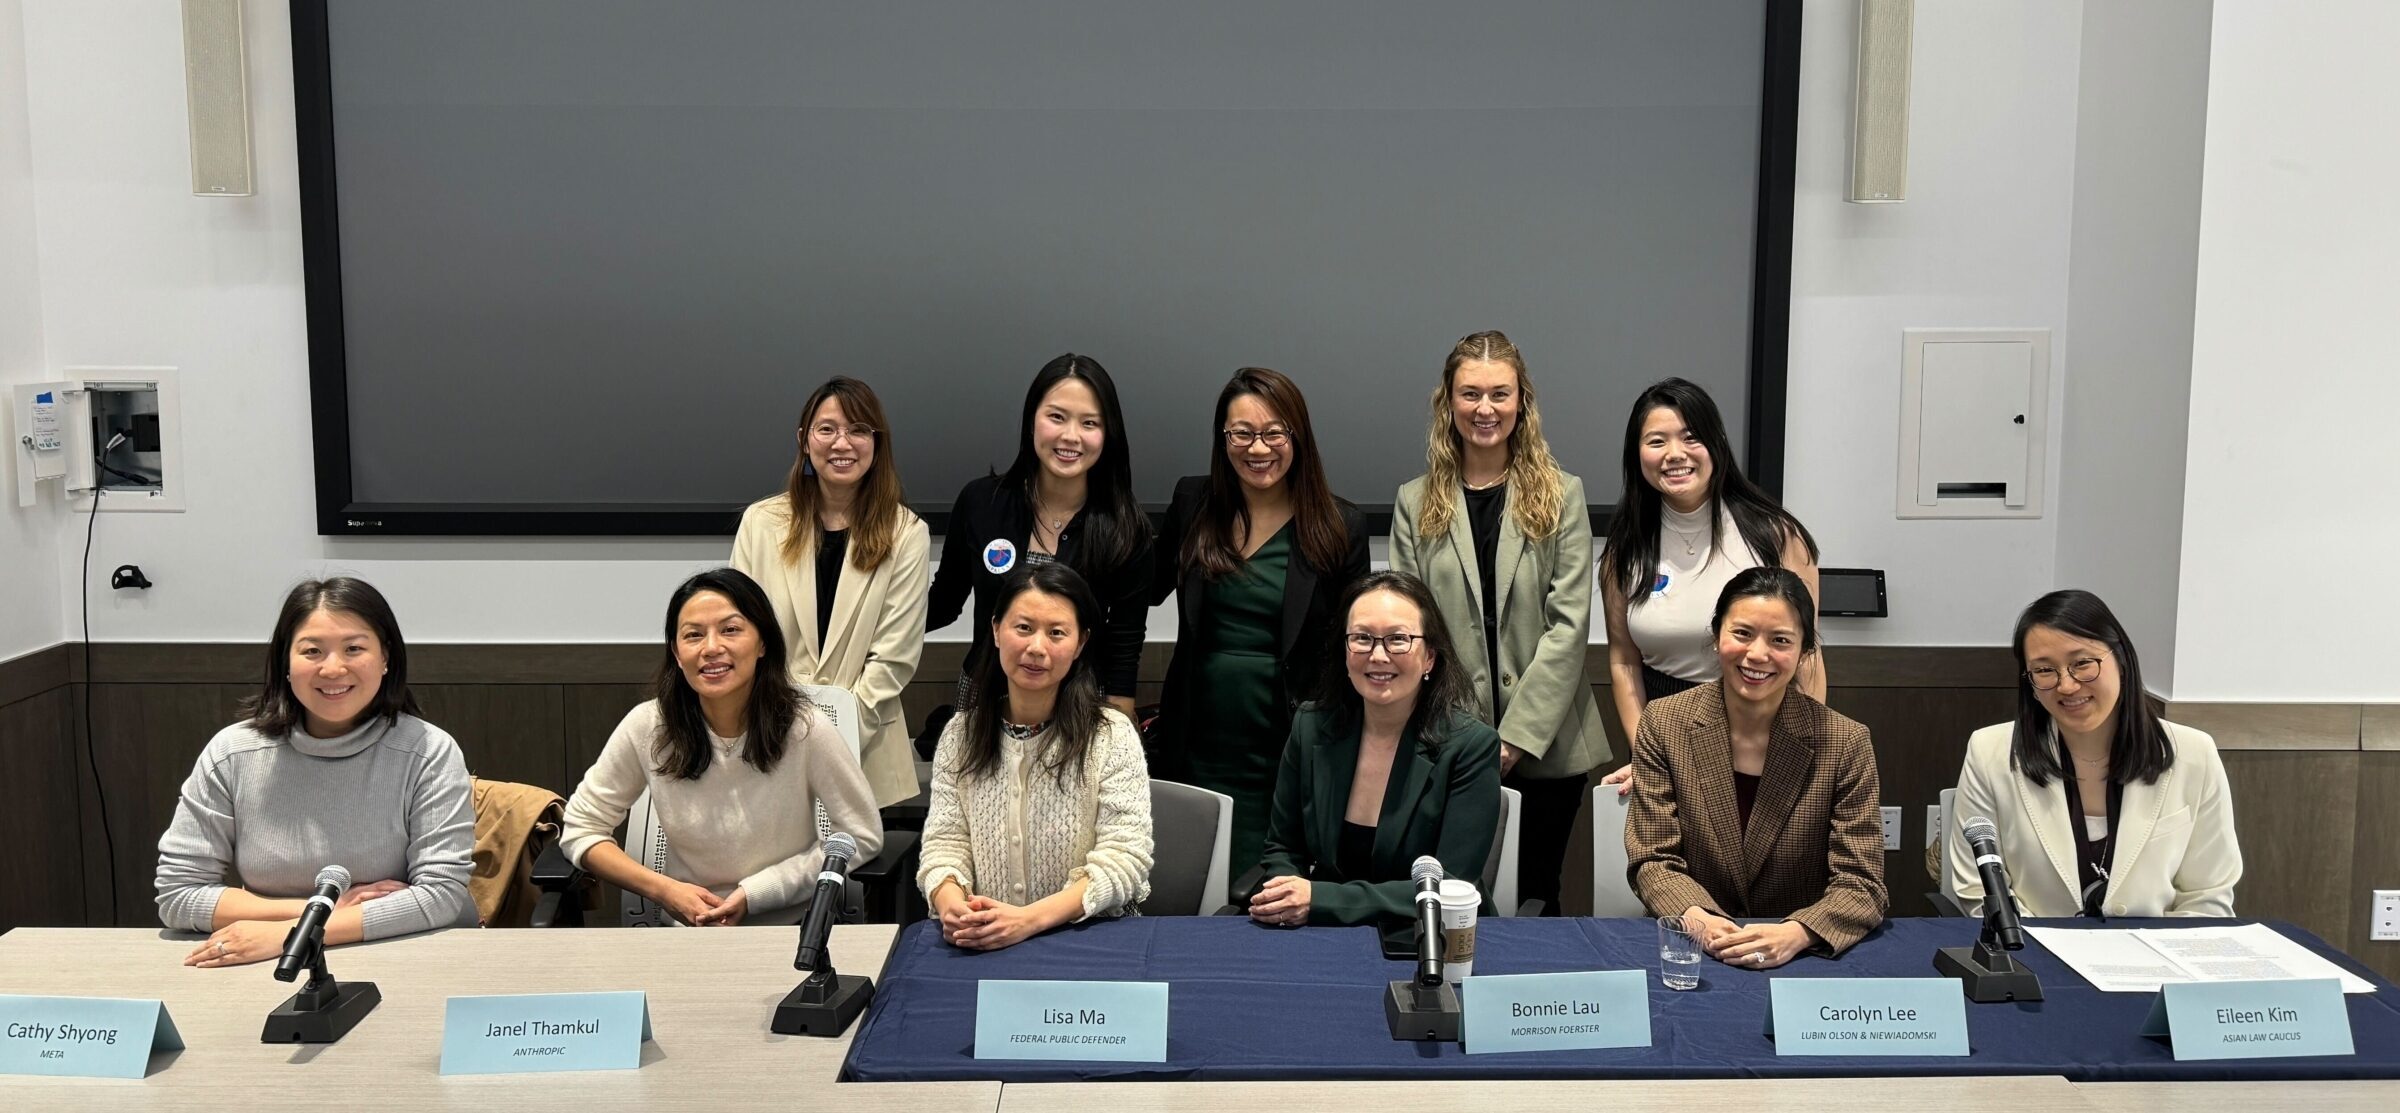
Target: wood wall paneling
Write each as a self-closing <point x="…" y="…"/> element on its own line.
<point x="2375" y="861"/>
<point x="41" y="875"/>
<point x="145" y="738"/>
<point x="2296" y="815"/>
<point x="1920" y="741"/>
<point x="508" y="732"/>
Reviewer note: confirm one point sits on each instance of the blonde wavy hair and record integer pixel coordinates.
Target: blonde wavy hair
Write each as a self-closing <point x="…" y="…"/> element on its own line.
<point x="1540" y="487"/>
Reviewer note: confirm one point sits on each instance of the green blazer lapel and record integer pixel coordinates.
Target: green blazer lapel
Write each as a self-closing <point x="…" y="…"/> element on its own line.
<point x="1791" y="761"/>
<point x="1711" y="793"/>
<point x="1411" y="772"/>
<point x="1336" y="760"/>
<point x="1508" y="553"/>
<point x="1461" y="539"/>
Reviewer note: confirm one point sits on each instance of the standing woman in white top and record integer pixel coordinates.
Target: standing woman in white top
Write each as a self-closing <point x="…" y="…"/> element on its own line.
<point x="734" y="763"/>
<point x="842" y="559"/>
<point x="2103" y="808"/>
<point x="1041" y="798"/>
<point x="1688" y="520"/>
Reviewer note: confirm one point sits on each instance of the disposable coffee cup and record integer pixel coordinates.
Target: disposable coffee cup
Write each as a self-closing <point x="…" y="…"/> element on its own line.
<point x="1459" y="899"/>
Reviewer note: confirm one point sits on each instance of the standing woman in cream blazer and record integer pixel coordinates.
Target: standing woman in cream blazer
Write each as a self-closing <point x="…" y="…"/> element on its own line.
<point x="2104" y="809"/>
<point x="843" y="561"/>
<point x="1502" y="538"/>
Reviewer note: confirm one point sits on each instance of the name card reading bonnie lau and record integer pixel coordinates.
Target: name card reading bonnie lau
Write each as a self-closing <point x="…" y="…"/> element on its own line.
<point x="538" y="1032"/>
<point x="1867" y="1016"/>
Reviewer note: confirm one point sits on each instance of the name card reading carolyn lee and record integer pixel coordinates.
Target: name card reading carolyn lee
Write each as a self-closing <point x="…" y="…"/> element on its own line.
<point x="535" y="1032"/>
<point x="2252" y="1020"/>
<point x="89" y="1037"/>
<point x="1122" y="1022"/>
<point x="1867" y="1016"/>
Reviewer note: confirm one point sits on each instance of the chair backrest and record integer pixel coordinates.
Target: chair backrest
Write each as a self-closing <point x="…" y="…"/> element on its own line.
<point x="1190" y="866"/>
<point x="840" y="707"/>
<point x="1612" y="891"/>
<point x="1500" y="866"/>
<point x="1950" y="823"/>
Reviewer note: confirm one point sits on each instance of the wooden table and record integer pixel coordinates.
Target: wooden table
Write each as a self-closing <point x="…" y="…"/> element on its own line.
<point x="2254" y="1097"/>
<point x="2017" y="1094"/>
<point x="712" y="992"/>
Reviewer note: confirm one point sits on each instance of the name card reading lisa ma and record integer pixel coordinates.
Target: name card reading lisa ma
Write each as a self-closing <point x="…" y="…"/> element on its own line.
<point x="1554" y="1012"/>
<point x="1122" y="1022"/>
<point x="2252" y="1020"/>
<point x="536" y="1032"/>
<point x="1867" y="1016"/>
<point x="88" y="1037"/>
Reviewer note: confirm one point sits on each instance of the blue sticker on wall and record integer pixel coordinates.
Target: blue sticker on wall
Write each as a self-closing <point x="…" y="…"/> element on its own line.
<point x="999" y="555"/>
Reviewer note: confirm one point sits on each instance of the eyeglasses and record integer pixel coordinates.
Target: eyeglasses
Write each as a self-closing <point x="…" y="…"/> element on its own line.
<point x="826" y="432"/>
<point x="1244" y="438"/>
<point x="1398" y="645"/>
<point x="2044" y="678"/>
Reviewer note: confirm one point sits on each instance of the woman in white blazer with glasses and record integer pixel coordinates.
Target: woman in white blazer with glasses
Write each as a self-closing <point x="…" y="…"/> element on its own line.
<point x="2103" y="808"/>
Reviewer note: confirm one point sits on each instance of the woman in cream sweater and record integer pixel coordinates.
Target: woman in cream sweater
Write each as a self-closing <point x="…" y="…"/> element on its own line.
<point x="2103" y="808"/>
<point x="1040" y="811"/>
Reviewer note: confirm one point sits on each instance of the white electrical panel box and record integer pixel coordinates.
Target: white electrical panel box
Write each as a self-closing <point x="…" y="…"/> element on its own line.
<point x="1974" y="423"/>
<point x="105" y="436"/>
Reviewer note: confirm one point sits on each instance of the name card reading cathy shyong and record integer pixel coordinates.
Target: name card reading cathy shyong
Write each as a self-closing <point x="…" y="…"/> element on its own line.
<point x="89" y="1037"/>
<point x="1867" y="1016"/>
<point x="1122" y="1022"/>
<point x="1554" y="1012"/>
<point x="536" y="1032"/>
<point x="2252" y="1020"/>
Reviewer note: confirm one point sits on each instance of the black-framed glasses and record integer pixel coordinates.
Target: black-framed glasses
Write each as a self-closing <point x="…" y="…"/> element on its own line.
<point x="1398" y="645"/>
<point x="827" y="432"/>
<point x="1244" y="438"/>
<point x="2083" y="669"/>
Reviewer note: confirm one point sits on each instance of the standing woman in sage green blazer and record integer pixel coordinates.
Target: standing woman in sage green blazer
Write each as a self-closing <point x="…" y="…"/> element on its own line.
<point x="1385" y="766"/>
<point x="1501" y="537"/>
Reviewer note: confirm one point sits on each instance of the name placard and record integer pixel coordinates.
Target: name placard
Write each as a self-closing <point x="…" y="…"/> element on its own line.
<point x="1554" y="1012"/>
<point x="2252" y="1020"/>
<point x="87" y="1037"/>
<point x="1118" y="1021"/>
<point x="535" y="1032"/>
<point x="1867" y="1016"/>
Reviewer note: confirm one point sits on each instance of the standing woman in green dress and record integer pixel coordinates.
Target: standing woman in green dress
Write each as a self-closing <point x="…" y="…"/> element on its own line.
<point x="1258" y="554"/>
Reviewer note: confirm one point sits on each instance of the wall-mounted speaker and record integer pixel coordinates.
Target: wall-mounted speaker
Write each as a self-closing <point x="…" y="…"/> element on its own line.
<point x="1879" y="124"/>
<point x="216" y="82"/>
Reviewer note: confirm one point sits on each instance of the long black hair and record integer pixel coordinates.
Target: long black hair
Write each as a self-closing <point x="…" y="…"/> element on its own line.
<point x="1077" y="716"/>
<point x="1770" y="582"/>
<point x="1631" y="559"/>
<point x="2140" y="749"/>
<point x="1114" y="525"/>
<point x="275" y="711"/>
<point x="775" y="706"/>
<point x="1444" y="699"/>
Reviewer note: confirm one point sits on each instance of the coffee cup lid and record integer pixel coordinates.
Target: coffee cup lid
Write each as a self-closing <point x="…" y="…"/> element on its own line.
<point x="1455" y="891"/>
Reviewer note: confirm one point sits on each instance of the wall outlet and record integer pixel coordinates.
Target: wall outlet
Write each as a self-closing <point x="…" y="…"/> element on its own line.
<point x="2385" y="923"/>
<point x="1891" y="828"/>
<point x="1933" y="824"/>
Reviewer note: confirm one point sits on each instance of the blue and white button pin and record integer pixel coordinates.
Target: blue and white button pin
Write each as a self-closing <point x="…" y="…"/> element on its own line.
<point x="999" y="555"/>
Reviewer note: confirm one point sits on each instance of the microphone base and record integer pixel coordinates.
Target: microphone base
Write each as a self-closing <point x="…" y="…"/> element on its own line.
<point x="819" y="1009"/>
<point x="291" y="1022"/>
<point x="1416" y="1012"/>
<point x="1990" y="976"/>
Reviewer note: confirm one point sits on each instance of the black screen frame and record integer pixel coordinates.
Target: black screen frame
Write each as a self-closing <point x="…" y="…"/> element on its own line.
<point x="339" y="514"/>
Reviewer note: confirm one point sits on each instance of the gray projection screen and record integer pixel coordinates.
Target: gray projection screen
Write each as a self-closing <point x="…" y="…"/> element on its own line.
<point x="572" y="266"/>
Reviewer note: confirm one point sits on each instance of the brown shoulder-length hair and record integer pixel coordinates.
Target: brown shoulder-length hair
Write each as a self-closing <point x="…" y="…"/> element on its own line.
<point x="875" y="517"/>
<point x="1538" y="489"/>
<point x="275" y="711"/>
<point x="775" y="705"/>
<point x="1316" y="518"/>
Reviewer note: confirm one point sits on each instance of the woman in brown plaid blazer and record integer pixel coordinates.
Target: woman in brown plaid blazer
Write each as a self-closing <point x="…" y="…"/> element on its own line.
<point x="1753" y="800"/>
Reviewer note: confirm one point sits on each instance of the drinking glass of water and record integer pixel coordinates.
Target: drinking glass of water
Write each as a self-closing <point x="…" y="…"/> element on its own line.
<point x="1678" y="954"/>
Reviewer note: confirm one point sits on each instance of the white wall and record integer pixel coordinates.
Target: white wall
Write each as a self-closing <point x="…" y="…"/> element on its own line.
<point x="1982" y="241"/>
<point x="2290" y="518"/>
<point x="29" y="611"/>
<point x="134" y="270"/>
<point x="2142" y="108"/>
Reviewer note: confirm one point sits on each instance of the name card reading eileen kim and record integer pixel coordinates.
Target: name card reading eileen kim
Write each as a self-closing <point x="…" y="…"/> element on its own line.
<point x="1122" y="1022"/>
<point x="537" y="1032"/>
<point x="2252" y="1020"/>
<point x="1867" y="1016"/>
<point x="88" y="1037"/>
<point x="1554" y="1012"/>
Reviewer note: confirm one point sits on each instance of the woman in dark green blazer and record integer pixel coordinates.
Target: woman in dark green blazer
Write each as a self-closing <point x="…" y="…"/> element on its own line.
<point x="1387" y="765"/>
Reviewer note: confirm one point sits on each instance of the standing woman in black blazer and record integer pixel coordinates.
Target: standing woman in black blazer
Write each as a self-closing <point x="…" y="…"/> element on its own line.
<point x="1258" y="554"/>
<point x="1068" y="498"/>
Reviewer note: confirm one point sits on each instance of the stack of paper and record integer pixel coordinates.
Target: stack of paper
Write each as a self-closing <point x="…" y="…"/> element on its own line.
<point x="2139" y="960"/>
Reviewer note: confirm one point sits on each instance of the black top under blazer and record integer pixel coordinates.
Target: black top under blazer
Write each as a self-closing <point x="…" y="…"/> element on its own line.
<point x="1311" y="596"/>
<point x="990" y="509"/>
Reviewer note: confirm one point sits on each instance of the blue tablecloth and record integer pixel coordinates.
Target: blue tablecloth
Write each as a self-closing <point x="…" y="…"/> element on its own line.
<point x="1250" y="1002"/>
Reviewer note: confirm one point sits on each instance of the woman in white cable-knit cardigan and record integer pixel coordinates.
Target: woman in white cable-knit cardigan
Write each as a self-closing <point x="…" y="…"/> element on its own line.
<point x="1040" y="811"/>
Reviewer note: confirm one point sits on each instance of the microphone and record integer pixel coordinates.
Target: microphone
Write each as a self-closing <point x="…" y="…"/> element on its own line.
<point x="1999" y="904"/>
<point x="307" y="940"/>
<point x="1427" y="873"/>
<point x="839" y="849"/>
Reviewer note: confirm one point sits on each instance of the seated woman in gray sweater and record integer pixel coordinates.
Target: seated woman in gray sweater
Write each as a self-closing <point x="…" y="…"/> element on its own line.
<point x="333" y="767"/>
